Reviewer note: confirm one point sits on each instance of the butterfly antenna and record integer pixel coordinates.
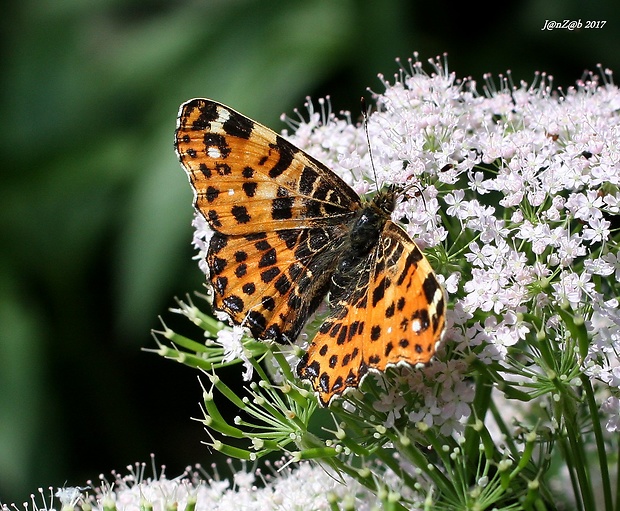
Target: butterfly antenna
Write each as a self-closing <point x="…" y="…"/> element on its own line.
<point x="421" y="194"/>
<point x="372" y="161"/>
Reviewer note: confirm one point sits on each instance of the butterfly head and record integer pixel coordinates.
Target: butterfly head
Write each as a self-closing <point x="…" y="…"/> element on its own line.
<point x="385" y="200"/>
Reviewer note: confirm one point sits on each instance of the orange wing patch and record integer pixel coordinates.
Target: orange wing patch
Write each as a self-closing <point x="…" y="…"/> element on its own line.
<point x="246" y="178"/>
<point x="289" y="233"/>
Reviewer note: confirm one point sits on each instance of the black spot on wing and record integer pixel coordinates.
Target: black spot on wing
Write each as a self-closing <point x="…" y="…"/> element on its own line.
<point x="238" y="126"/>
<point x="249" y="288"/>
<point x="283" y="284"/>
<point x="269" y="274"/>
<point x="282" y="208"/>
<point x="268" y="258"/>
<point x="213" y="218"/>
<point x="241" y="270"/>
<point x="430" y="286"/>
<point x="212" y="193"/>
<point x="241" y="214"/>
<point x="206" y="171"/>
<point x="223" y="169"/>
<point x="268" y="303"/>
<point x="307" y="179"/>
<point x="218" y="242"/>
<point x="208" y="113"/>
<point x="218" y="142"/>
<point x="217" y="265"/>
<point x="287" y="153"/>
<point x="257" y="322"/>
<point x="375" y="332"/>
<point x="413" y="258"/>
<point x="233" y="303"/>
<point x="249" y="188"/>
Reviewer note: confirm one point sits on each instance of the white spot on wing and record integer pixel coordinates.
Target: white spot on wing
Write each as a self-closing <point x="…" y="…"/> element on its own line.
<point x="223" y="116"/>
<point x="416" y="325"/>
<point x="213" y="152"/>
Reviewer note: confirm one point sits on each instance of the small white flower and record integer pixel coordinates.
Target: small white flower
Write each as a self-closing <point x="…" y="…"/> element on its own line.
<point x="598" y="230"/>
<point x="231" y="341"/>
<point x="585" y="206"/>
<point x="598" y="266"/>
<point x="572" y="286"/>
<point x="569" y="249"/>
<point x="611" y="407"/>
<point x="202" y="237"/>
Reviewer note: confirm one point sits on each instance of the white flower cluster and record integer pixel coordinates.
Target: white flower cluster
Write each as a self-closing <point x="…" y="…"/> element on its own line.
<point x="307" y="486"/>
<point x="443" y="397"/>
<point x="520" y="186"/>
<point x="531" y="173"/>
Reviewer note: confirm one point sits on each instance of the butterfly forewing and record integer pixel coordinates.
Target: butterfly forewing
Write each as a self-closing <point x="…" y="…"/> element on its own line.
<point x="278" y="215"/>
<point x="246" y="178"/>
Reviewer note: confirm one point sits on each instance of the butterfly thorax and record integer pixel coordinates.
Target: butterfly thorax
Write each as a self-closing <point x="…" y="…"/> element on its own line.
<point x="369" y="221"/>
<point x="364" y="232"/>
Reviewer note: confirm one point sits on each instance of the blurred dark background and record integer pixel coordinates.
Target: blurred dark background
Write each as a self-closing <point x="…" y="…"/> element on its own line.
<point x="95" y="211"/>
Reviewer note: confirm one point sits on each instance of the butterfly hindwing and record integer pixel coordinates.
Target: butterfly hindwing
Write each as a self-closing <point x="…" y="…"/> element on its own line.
<point x="393" y="313"/>
<point x="271" y="281"/>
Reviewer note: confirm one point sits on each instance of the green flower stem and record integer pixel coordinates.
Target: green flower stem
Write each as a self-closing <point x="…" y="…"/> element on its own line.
<point x="565" y="449"/>
<point x="226" y="391"/>
<point x="567" y="406"/>
<point x="317" y="453"/>
<point x="576" y="327"/>
<point x="233" y="452"/>
<point x="526" y="455"/>
<point x="205" y="321"/>
<point x="216" y="421"/>
<point x="480" y="406"/>
<point x="617" y="508"/>
<point x="575" y="454"/>
<point x="109" y="504"/>
<point x="184" y="342"/>
<point x="272" y="416"/>
<point x="195" y="361"/>
<point x="285" y="367"/>
<point x="410" y="452"/>
<point x="355" y="447"/>
<point x="600" y="442"/>
<point x="490" y="450"/>
<point x="191" y="504"/>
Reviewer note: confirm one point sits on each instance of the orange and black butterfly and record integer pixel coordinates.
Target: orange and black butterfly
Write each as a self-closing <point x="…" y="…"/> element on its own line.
<point x="288" y="232"/>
